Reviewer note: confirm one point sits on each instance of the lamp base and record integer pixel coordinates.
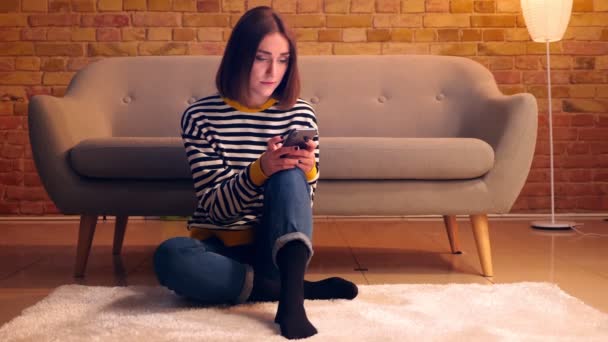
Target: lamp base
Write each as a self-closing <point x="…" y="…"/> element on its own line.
<point x="557" y="225"/>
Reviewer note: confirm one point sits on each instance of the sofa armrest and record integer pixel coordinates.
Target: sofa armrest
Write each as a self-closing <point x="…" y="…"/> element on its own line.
<point x="55" y="126"/>
<point x="509" y="124"/>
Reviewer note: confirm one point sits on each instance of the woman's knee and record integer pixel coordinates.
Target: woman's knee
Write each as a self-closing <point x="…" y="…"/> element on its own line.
<point x="172" y="245"/>
<point x="167" y="256"/>
<point x="287" y="178"/>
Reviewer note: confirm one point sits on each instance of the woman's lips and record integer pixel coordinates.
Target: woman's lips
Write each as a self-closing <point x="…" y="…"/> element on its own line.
<point x="267" y="83"/>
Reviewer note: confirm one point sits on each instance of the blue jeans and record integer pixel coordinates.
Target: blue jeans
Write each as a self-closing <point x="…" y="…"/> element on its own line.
<point x="211" y="273"/>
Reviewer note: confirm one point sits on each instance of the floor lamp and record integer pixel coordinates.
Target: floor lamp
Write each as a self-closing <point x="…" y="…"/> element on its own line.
<point x="547" y="21"/>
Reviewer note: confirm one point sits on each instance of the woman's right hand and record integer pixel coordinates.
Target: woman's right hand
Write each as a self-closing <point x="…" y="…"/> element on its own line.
<point x="271" y="161"/>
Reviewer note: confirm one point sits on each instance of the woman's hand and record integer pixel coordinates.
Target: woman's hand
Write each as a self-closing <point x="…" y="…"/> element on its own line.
<point x="306" y="157"/>
<point x="278" y="158"/>
<point x="272" y="160"/>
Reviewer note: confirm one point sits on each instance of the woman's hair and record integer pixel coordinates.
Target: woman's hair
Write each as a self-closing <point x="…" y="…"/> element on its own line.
<point x="232" y="79"/>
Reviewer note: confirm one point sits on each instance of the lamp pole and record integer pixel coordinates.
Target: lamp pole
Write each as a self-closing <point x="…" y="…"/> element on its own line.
<point x="550" y="132"/>
<point x="552" y="224"/>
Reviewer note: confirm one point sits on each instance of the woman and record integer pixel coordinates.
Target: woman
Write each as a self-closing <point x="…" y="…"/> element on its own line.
<point x="251" y="232"/>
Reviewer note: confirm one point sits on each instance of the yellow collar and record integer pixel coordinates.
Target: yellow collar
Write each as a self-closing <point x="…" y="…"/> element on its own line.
<point x="236" y="105"/>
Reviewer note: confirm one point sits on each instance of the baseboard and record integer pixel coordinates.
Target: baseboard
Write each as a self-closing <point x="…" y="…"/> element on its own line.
<point x="67" y="218"/>
<point x="506" y="217"/>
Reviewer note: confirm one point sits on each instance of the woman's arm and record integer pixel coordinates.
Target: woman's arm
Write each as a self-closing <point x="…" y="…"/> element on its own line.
<point x="313" y="176"/>
<point x="222" y="191"/>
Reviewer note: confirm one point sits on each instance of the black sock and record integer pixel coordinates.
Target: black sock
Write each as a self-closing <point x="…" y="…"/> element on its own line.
<point x="264" y="289"/>
<point x="291" y="315"/>
<point x="268" y="290"/>
<point x="330" y="288"/>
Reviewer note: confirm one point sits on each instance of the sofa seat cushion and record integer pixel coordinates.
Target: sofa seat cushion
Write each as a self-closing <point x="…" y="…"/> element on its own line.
<point x="404" y="158"/>
<point x="341" y="158"/>
<point x="131" y="158"/>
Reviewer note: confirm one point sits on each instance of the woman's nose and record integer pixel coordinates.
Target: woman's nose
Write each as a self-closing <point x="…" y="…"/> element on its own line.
<point x="271" y="69"/>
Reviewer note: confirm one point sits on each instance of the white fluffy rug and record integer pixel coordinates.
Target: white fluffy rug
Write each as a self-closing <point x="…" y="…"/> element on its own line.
<point x="456" y="312"/>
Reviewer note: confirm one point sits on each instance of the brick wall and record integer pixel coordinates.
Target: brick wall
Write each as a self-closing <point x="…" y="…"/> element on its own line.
<point x="44" y="42"/>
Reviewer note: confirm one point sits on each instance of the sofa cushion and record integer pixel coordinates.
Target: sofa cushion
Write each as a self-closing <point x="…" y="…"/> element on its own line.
<point x="131" y="158"/>
<point x="341" y="158"/>
<point x="404" y="158"/>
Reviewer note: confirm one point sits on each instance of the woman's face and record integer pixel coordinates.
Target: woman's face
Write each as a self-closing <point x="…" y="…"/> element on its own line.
<point x="269" y="66"/>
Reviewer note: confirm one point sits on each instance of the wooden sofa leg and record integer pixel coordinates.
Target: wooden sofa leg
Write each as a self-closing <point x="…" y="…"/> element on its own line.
<point x="452" y="229"/>
<point x="482" y="240"/>
<point x="119" y="233"/>
<point x="85" y="240"/>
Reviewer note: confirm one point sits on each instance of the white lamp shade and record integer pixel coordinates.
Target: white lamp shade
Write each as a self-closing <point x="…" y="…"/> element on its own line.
<point x="546" y="20"/>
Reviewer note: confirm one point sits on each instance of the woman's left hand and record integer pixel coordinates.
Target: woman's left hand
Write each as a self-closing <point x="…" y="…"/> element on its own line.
<point x="305" y="156"/>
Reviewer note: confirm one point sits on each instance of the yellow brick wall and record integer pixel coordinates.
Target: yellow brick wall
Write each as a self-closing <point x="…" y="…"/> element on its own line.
<point x="44" y="42"/>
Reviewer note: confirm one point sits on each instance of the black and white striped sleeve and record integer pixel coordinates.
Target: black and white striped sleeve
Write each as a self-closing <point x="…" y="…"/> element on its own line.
<point x="222" y="191"/>
<point x="313" y="124"/>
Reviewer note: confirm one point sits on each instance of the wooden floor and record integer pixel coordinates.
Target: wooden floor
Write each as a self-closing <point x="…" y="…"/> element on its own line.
<point x="38" y="256"/>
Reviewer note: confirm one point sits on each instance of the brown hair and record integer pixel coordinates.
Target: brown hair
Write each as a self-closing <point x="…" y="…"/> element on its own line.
<point x="232" y="79"/>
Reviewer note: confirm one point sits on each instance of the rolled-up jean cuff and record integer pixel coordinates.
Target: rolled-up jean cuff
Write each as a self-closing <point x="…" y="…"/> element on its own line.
<point x="283" y="240"/>
<point x="247" y="286"/>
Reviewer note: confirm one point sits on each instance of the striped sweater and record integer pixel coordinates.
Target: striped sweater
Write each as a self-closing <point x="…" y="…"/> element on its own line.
<point x="223" y="142"/>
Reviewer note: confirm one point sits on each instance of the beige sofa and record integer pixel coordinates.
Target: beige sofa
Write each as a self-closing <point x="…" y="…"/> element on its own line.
<point x="399" y="135"/>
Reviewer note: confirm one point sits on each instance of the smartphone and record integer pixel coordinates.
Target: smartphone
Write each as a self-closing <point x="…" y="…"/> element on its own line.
<point x="298" y="136"/>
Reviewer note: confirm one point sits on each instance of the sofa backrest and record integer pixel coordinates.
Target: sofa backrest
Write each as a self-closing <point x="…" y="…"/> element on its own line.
<point x="367" y="96"/>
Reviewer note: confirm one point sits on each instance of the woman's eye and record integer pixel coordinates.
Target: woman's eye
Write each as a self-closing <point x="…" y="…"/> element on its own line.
<point x="284" y="61"/>
<point x="260" y="58"/>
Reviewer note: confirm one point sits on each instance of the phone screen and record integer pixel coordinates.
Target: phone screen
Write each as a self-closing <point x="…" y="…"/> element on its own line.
<point x="299" y="137"/>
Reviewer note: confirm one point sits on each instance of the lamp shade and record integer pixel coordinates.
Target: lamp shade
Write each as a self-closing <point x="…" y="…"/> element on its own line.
<point x="546" y="19"/>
